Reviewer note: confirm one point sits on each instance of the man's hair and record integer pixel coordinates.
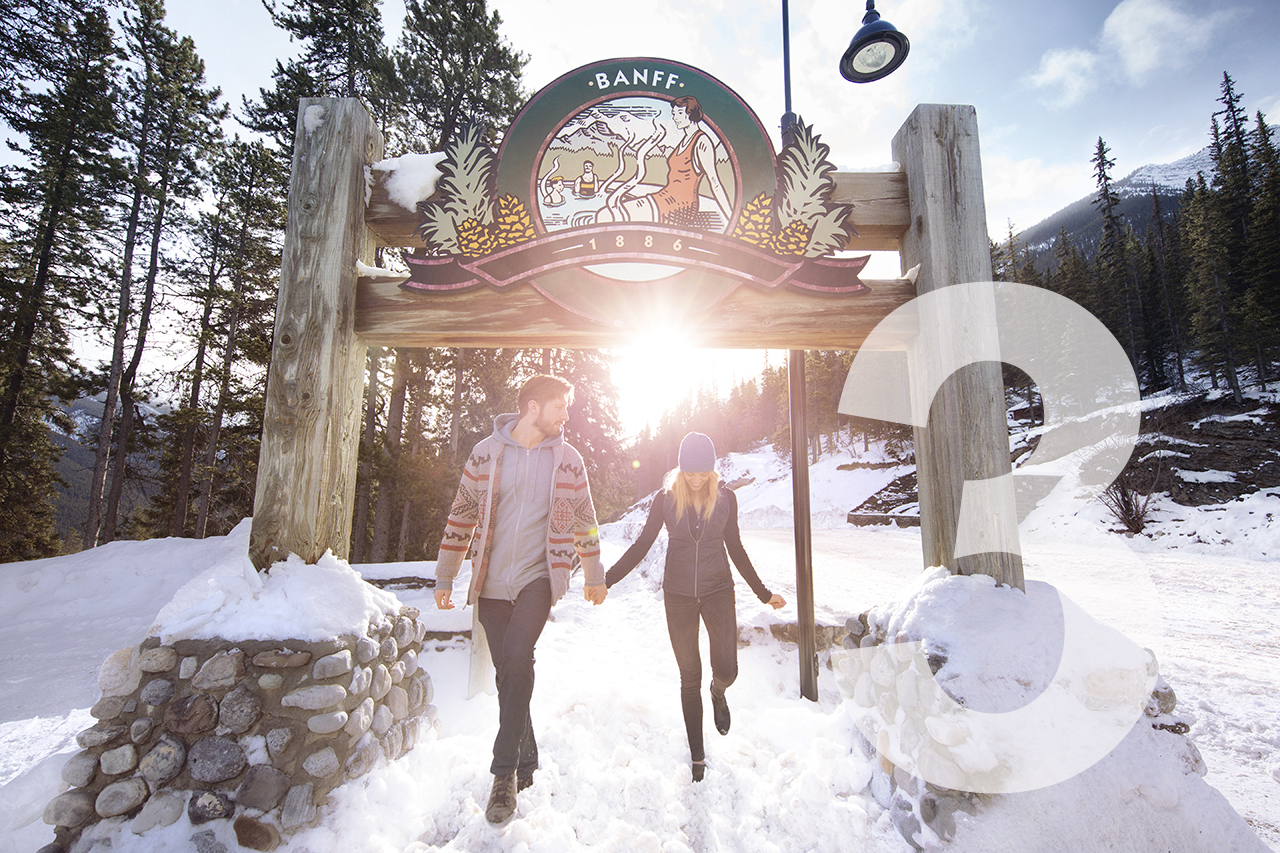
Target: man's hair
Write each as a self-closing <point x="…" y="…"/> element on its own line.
<point x="543" y="388"/>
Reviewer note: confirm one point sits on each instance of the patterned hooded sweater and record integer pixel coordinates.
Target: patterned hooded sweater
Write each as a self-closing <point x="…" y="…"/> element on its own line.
<point x="571" y="522"/>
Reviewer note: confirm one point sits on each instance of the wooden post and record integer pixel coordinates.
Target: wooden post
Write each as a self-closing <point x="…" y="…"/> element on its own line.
<point x="306" y="468"/>
<point x="967" y="436"/>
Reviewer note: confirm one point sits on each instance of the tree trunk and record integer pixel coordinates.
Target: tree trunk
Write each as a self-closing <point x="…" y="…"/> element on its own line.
<point x="1233" y="380"/>
<point x="383" y="508"/>
<point x="209" y="472"/>
<point x="93" y="524"/>
<point x="125" y="433"/>
<point x="364" y="478"/>
<point x="186" y="452"/>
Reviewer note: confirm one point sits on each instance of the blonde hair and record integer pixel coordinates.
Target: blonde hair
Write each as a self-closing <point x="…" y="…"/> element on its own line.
<point x="702" y="500"/>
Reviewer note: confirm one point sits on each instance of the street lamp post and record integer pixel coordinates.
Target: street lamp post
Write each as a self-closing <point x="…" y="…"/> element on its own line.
<point x="875" y="51"/>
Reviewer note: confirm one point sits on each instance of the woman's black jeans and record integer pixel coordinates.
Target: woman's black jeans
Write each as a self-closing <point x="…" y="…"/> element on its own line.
<point x="512" y="629"/>
<point x="719" y="614"/>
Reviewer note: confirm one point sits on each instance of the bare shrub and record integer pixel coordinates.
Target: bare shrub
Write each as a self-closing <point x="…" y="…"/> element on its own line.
<point x="1127" y="505"/>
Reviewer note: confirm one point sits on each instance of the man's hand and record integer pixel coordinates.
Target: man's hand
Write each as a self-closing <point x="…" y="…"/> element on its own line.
<point x="777" y="601"/>
<point x="442" y="599"/>
<point x="595" y="594"/>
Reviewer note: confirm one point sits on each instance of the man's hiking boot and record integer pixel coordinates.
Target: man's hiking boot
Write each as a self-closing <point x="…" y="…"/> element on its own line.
<point x="523" y="782"/>
<point x="699" y="770"/>
<point x="502" y="800"/>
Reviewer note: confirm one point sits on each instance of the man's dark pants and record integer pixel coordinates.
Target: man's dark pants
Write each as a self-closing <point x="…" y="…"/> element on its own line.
<point x="512" y="629"/>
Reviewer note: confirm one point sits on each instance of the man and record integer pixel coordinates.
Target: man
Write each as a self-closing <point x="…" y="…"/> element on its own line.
<point x="522" y="509"/>
<point x="585" y="184"/>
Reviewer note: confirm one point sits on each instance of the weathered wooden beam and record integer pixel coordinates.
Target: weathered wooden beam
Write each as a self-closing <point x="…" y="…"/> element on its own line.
<point x="306" y="469"/>
<point x="880" y="209"/>
<point x="387" y="315"/>
<point x="967" y="435"/>
<point x="879" y="202"/>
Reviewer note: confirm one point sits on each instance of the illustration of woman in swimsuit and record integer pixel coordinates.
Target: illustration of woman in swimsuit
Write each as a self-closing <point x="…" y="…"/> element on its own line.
<point x="692" y="158"/>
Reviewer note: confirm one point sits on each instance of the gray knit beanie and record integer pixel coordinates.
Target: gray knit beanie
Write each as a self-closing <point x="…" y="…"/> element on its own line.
<point x="697" y="454"/>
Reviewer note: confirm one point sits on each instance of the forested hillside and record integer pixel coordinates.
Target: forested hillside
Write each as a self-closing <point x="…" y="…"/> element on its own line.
<point x="140" y="210"/>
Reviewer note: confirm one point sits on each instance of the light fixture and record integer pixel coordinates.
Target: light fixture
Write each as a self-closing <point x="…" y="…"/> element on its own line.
<point x="876" y="51"/>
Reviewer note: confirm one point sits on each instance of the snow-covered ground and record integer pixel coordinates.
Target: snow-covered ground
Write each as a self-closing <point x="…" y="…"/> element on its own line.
<point x="1201" y="593"/>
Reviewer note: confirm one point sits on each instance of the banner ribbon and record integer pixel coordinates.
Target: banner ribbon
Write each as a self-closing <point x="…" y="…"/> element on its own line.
<point x="636" y="243"/>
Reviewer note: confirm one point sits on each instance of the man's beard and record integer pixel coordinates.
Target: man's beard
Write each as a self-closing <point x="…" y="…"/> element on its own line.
<point x="548" y="427"/>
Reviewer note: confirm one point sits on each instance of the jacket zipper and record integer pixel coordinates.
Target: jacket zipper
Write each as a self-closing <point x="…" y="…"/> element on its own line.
<point x="697" y="545"/>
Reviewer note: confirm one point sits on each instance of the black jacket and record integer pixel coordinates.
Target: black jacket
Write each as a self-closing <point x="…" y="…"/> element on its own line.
<point x="698" y="550"/>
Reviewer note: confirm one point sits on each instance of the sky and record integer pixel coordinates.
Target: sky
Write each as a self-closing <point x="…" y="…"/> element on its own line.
<point x="1047" y="79"/>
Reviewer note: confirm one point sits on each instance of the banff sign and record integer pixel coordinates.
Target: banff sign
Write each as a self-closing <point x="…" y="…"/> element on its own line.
<point x="635" y="179"/>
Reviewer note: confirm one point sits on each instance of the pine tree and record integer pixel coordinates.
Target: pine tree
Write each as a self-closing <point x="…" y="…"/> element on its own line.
<point x="1263" y="258"/>
<point x="343" y="57"/>
<point x="211" y="449"/>
<point x="1232" y="179"/>
<point x="31" y="43"/>
<point x="453" y="69"/>
<point x="52" y="213"/>
<point x="1114" y="281"/>
<point x="1213" y="312"/>
<point x="170" y="120"/>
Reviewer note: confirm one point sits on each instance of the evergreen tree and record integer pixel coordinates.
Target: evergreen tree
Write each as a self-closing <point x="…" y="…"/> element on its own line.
<point x="1232" y="179"/>
<point x="53" y="202"/>
<point x="169" y="122"/>
<point x="1263" y="258"/>
<point x="1214" y="320"/>
<point x="343" y="57"/>
<point x="211" y="453"/>
<point x="1119" y="301"/>
<point x="31" y="42"/>
<point x="453" y="68"/>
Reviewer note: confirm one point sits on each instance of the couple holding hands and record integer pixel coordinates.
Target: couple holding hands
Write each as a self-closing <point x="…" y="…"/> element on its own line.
<point x="523" y="509"/>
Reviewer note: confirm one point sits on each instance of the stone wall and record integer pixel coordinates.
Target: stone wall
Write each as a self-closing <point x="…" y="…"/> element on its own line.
<point x="257" y="733"/>
<point x="914" y="803"/>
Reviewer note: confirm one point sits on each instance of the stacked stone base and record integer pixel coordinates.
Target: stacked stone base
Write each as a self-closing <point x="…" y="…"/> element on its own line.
<point x="914" y="803"/>
<point x="256" y="733"/>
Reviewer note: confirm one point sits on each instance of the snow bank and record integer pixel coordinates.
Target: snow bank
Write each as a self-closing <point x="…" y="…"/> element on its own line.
<point x="1040" y="708"/>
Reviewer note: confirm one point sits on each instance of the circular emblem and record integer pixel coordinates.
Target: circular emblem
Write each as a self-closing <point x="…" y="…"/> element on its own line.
<point x="637" y="157"/>
<point x="635" y="192"/>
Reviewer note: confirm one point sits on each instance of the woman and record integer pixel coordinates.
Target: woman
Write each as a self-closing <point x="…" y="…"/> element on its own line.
<point x="701" y="517"/>
<point x="692" y="159"/>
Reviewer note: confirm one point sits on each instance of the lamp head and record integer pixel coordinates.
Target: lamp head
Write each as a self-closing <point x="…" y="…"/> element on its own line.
<point x="876" y="51"/>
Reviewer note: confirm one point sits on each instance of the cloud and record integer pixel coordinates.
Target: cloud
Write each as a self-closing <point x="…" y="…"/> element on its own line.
<point x="1142" y="37"/>
<point x="1026" y="191"/>
<point x="1147" y="35"/>
<point x="1068" y="74"/>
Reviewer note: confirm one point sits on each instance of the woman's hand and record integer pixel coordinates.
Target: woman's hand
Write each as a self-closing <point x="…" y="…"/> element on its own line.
<point x="777" y="601"/>
<point x="443" y="599"/>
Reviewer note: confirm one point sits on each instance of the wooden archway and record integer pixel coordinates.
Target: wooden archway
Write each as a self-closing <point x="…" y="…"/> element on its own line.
<point x="932" y="212"/>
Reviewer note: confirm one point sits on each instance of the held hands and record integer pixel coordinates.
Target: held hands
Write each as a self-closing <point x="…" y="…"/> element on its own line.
<point x="777" y="601"/>
<point x="442" y="599"/>
<point x="595" y="594"/>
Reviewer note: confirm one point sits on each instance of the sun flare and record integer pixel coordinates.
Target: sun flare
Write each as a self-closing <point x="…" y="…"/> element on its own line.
<point x="661" y="368"/>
